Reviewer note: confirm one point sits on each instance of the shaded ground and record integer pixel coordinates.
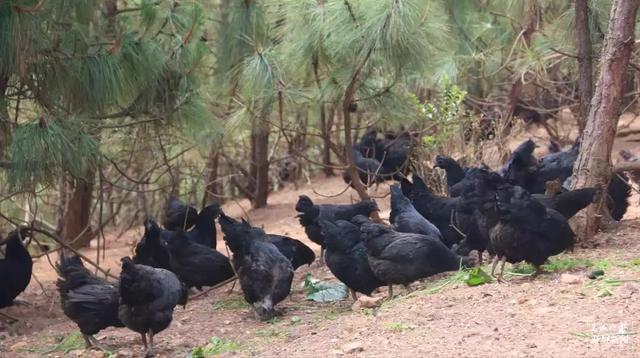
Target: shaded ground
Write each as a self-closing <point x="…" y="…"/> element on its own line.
<point x="552" y="315"/>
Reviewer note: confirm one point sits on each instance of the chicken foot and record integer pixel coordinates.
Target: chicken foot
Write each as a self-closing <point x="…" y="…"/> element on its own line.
<point x="92" y="342"/>
<point x="502" y="261"/>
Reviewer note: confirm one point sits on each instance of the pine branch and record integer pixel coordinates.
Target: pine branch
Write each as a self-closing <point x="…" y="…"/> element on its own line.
<point x="27" y="10"/>
<point x="626" y="167"/>
<point x="133" y="9"/>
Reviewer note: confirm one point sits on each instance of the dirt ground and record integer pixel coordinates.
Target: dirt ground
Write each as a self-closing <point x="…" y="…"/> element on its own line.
<point x="560" y="314"/>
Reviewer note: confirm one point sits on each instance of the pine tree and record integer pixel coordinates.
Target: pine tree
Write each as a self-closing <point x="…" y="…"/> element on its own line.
<point x="80" y="67"/>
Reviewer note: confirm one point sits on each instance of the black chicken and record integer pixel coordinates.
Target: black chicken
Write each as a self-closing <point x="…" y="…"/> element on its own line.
<point x="559" y="166"/>
<point x="525" y="230"/>
<point x="369" y="170"/>
<point x="439" y="210"/>
<point x="179" y="215"/>
<point x="265" y="274"/>
<point x="568" y="203"/>
<point x="455" y="172"/>
<point x="311" y="213"/>
<point x="395" y="155"/>
<point x="197" y="265"/>
<point x="204" y="230"/>
<point x="401" y="258"/>
<point x="405" y="218"/>
<point x="148" y="296"/>
<point x="15" y="268"/>
<point x="627" y="156"/>
<point x="298" y="253"/>
<point x="369" y="145"/>
<point x="347" y="257"/>
<point x="89" y="301"/>
<point x="458" y="177"/>
<point x="152" y="250"/>
<point x="522" y="166"/>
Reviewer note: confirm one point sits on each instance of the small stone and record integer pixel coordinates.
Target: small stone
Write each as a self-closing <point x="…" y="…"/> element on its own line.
<point x="353" y="347"/>
<point x="227" y="322"/>
<point x="76" y="353"/>
<point x="124" y="353"/>
<point x="522" y="300"/>
<point x="367" y="302"/>
<point x="532" y="345"/>
<point x="627" y="290"/>
<point x="570" y="279"/>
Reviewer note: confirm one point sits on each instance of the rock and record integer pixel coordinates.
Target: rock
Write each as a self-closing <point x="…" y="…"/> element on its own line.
<point x="353" y="347"/>
<point x="522" y="300"/>
<point x="595" y="274"/>
<point x="627" y="290"/>
<point x="570" y="279"/>
<point x="367" y="302"/>
<point x="124" y="353"/>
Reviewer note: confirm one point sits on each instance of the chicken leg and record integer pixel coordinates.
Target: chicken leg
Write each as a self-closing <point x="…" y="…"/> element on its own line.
<point x="144" y="342"/>
<point x="503" y="260"/>
<point x="92" y="342"/>
<point x="493" y="265"/>
<point x="354" y="296"/>
<point x="149" y="352"/>
<point x="390" y="292"/>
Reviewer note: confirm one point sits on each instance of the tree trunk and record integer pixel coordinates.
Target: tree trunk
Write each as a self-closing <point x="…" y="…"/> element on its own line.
<point x="585" y="65"/>
<point x="5" y="121"/>
<point x="77" y="218"/>
<point x="62" y="203"/>
<point x="347" y="105"/>
<point x="212" y="187"/>
<point x="593" y="166"/>
<point x="260" y="165"/>
<point x="326" y="142"/>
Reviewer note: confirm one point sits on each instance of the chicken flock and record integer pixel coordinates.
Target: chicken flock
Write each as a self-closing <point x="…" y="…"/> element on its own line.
<point x="516" y="213"/>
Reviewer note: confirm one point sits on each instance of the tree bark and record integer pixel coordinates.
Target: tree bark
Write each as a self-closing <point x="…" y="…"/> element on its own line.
<point x="585" y="63"/>
<point x="260" y="141"/>
<point x="62" y="204"/>
<point x="77" y="218"/>
<point x="5" y="121"/>
<point x="212" y="187"/>
<point x="347" y="104"/>
<point x="593" y="166"/>
<point x="326" y="142"/>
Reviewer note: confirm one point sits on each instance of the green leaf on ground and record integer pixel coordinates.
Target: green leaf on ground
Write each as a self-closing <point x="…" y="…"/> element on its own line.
<point x="476" y="277"/>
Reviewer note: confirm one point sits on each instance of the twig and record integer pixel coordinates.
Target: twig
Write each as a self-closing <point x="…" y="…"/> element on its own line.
<point x="13" y="319"/>
<point x="455" y="227"/>
<point x="335" y="195"/>
<point x="63" y="244"/>
<point x="231" y="279"/>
